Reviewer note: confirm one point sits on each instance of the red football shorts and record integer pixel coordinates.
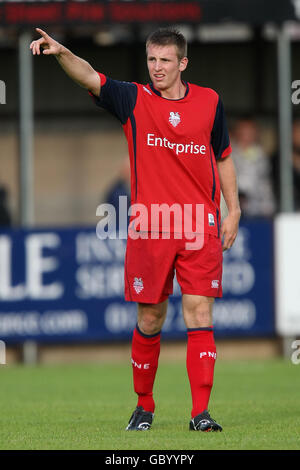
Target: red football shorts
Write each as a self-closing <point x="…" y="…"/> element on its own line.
<point x="150" y="265"/>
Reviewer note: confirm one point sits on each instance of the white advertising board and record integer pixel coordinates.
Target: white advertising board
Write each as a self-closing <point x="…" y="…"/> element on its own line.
<point x="287" y="274"/>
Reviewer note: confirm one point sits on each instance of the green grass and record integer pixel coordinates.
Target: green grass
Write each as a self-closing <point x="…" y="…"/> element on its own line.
<point x="88" y="407"/>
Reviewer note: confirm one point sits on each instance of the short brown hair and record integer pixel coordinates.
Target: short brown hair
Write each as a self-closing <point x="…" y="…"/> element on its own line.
<point x="168" y="37"/>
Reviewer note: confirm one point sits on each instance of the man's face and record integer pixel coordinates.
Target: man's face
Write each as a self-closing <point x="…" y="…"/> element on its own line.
<point x="164" y="66"/>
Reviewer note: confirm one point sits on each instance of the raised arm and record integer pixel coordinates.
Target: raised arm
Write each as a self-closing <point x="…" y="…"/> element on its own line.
<point x="228" y="183"/>
<point x="79" y="70"/>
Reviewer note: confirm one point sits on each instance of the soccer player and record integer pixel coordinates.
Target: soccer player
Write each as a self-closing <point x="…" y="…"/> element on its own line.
<point x="179" y="153"/>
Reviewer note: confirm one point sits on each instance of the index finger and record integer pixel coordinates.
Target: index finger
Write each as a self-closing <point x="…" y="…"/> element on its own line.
<point x="42" y="33"/>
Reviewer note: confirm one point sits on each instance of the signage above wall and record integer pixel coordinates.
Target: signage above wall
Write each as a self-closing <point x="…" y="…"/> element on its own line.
<point x="91" y="12"/>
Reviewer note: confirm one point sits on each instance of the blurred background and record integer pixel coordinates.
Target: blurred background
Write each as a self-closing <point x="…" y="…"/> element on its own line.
<point x="61" y="288"/>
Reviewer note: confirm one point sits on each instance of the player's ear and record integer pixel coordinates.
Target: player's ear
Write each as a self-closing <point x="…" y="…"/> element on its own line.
<point x="183" y="64"/>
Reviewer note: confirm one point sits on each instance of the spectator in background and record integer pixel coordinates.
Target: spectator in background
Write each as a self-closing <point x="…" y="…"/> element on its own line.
<point x="253" y="170"/>
<point x="120" y="187"/>
<point x="296" y="168"/>
<point x="5" y="218"/>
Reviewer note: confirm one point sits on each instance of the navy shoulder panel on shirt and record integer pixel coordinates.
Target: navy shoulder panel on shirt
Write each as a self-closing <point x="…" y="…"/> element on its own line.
<point x="119" y="98"/>
<point x="219" y="133"/>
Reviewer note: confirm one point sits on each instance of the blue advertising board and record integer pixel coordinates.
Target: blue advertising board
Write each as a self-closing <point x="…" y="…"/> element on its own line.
<point x="63" y="285"/>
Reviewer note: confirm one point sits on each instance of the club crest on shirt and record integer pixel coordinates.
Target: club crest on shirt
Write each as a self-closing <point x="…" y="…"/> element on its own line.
<point x="174" y="119"/>
<point x="138" y="284"/>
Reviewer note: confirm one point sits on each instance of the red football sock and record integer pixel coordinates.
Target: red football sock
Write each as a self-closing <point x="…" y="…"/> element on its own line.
<point x="200" y="362"/>
<point x="145" y="353"/>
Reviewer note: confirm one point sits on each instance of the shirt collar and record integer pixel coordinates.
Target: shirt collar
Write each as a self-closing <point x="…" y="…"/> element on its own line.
<point x="158" y="93"/>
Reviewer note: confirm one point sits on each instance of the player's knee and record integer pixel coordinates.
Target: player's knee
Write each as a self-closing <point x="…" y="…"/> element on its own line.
<point x="197" y="310"/>
<point x="199" y="316"/>
<point x="151" y="318"/>
<point x="150" y="324"/>
<point x="203" y="316"/>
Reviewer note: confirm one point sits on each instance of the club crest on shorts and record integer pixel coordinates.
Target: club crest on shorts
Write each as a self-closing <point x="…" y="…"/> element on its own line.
<point x="138" y="284"/>
<point x="174" y="119"/>
<point x="215" y="284"/>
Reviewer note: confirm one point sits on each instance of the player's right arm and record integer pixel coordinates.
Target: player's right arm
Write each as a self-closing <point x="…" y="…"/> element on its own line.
<point x="78" y="69"/>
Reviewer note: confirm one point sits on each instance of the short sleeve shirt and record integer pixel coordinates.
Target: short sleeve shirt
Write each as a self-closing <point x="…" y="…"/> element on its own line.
<point x="173" y="149"/>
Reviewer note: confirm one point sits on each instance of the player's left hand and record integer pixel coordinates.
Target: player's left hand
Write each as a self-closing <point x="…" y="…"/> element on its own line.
<point x="229" y="229"/>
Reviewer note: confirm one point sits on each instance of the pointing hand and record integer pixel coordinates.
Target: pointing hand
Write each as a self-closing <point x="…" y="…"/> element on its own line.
<point x="49" y="45"/>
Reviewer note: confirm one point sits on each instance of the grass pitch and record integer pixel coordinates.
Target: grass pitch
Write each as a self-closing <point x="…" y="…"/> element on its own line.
<point x="88" y="407"/>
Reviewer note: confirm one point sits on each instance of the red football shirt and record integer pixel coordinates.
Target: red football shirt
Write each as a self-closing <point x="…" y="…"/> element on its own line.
<point x="173" y="148"/>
